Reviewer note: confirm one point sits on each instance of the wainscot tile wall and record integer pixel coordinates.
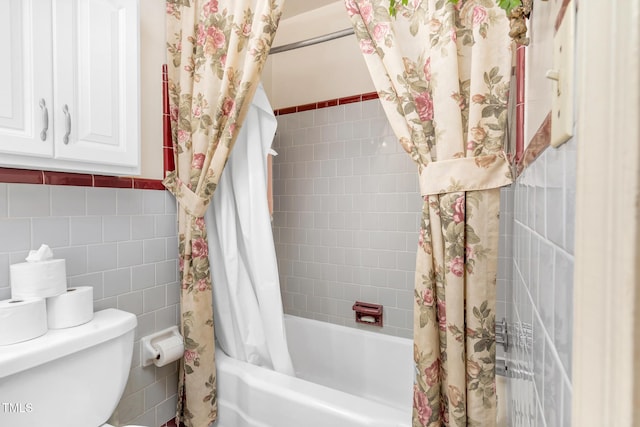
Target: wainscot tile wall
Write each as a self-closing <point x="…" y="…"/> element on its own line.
<point x="346" y="212"/>
<point x="123" y="243"/>
<point x="540" y="300"/>
<point x="542" y="294"/>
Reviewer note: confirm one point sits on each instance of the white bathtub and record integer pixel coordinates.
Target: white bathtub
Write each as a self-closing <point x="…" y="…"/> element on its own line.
<point x="346" y="377"/>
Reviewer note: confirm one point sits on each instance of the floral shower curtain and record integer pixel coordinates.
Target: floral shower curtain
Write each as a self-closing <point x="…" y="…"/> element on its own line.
<point x="442" y="73"/>
<point x="216" y="51"/>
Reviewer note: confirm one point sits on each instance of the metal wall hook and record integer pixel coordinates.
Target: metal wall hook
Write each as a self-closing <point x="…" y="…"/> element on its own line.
<point x="502" y="334"/>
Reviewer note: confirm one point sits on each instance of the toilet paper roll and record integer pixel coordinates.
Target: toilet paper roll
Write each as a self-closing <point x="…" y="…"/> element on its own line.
<point x="72" y="308"/>
<point x="40" y="279"/>
<point x="168" y="350"/>
<point x="22" y="320"/>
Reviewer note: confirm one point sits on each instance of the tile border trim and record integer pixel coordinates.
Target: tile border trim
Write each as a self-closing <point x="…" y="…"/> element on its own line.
<point x="327" y="103"/>
<point x="30" y="176"/>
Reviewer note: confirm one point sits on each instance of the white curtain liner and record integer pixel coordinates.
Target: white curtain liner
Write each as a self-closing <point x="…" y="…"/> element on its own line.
<point x="247" y="304"/>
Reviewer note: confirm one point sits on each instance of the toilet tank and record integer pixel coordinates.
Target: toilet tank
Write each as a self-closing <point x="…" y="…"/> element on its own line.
<point x="70" y="377"/>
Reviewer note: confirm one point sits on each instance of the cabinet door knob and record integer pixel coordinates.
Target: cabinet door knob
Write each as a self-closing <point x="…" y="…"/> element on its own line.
<point x="45" y="120"/>
<point x="67" y="123"/>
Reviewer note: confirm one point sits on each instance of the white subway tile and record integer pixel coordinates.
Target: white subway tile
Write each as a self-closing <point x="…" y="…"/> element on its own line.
<point x="166" y="226"/>
<point x="28" y="200"/>
<point x="143" y="276"/>
<point x="166" y="272"/>
<point x="85" y="230"/>
<point x="131" y="302"/>
<point x="102" y="257"/>
<point x="4" y="200"/>
<point x="68" y="200"/>
<point x="75" y="257"/>
<point x="101" y="201"/>
<point x="387" y="259"/>
<point x="154" y="299"/>
<point x="130" y="253"/>
<point x="129" y="408"/>
<point x="563" y="309"/>
<point x="105" y="303"/>
<point x="116" y="228"/>
<point x="143" y="227"/>
<point x="336" y="114"/>
<point x="117" y="282"/>
<point x="553" y="383"/>
<point x="95" y="280"/>
<point x="16" y="235"/>
<point x="154" y="250"/>
<point x="53" y="231"/>
<point x="153" y="202"/>
<point x="173" y="294"/>
<point x="129" y="202"/>
<point x="353" y="112"/>
<point x="345" y="131"/>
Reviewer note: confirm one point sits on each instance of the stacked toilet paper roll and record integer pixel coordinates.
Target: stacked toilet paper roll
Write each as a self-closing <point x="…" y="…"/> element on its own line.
<point x="22" y="320"/>
<point x="40" y="277"/>
<point x="72" y="308"/>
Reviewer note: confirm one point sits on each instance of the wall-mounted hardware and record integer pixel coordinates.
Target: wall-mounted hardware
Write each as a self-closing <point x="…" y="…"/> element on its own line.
<point x="368" y="313"/>
<point x="502" y="334"/>
<point x="562" y="75"/>
<point x="518" y="334"/>
<point x="509" y="369"/>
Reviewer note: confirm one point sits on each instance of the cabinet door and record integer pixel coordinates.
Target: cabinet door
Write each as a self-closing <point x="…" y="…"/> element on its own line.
<point x="26" y="95"/>
<point x="96" y="81"/>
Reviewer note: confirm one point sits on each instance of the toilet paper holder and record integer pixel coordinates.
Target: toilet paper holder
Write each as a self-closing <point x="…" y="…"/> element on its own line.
<point x="151" y="353"/>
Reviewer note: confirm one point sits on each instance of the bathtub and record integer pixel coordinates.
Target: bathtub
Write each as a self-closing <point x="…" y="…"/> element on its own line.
<point x="345" y="377"/>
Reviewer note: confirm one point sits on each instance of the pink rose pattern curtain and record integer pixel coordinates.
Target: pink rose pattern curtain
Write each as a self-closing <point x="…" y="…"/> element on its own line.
<point x="442" y="73"/>
<point x="216" y="51"/>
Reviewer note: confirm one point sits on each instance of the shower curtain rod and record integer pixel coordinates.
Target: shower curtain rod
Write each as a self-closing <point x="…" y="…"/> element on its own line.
<point x="312" y="41"/>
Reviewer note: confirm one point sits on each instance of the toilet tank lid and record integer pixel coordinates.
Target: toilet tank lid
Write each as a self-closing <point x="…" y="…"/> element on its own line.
<point x="106" y="325"/>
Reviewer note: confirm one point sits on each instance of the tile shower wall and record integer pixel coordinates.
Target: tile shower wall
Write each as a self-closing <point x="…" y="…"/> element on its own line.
<point x="542" y="292"/>
<point x="346" y="212"/>
<point x="123" y="243"/>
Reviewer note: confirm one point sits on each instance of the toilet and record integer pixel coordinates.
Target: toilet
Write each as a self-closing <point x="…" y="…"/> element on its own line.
<point x="70" y="377"/>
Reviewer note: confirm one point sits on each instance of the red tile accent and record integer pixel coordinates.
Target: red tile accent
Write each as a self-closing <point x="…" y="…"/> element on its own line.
<point x="329" y="103"/>
<point x="66" y="178"/>
<point x="561" y="12"/>
<point x="287" y="110"/>
<point x="540" y="141"/>
<point x="519" y="131"/>
<point x="112" y="181"/>
<point x="167" y="143"/>
<point x="147" y="184"/>
<point x="169" y="163"/>
<point x="350" y="99"/>
<point x="171" y="423"/>
<point x="520" y="69"/>
<point x="307" y="107"/>
<point x="165" y="89"/>
<point x="369" y="96"/>
<point x="21" y="176"/>
<point x="29" y="176"/>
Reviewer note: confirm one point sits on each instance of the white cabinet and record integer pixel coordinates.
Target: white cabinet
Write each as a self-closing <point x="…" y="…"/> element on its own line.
<point x="69" y="97"/>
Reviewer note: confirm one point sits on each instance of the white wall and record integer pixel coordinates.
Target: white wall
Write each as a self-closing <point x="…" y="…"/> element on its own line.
<point x="329" y="70"/>
<point x="152" y="56"/>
